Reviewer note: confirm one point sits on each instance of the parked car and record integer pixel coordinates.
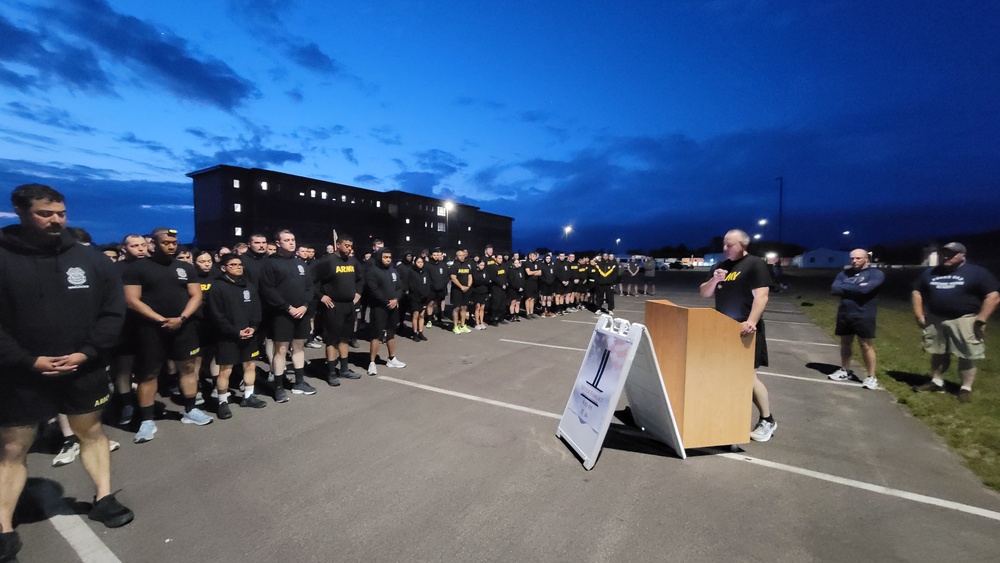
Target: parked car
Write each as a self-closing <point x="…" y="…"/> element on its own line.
<point x="678" y="265"/>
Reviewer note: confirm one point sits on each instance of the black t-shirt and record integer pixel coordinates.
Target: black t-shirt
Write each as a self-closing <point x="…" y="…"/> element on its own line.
<point x="164" y="285"/>
<point x="734" y="297"/>
<point x="461" y="271"/>
<point x="955" y="294"/>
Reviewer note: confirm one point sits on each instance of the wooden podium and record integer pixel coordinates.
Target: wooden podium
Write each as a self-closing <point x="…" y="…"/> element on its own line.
<point x="707" y="371"/>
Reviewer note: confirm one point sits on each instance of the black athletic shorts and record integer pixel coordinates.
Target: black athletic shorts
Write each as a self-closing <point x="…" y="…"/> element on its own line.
<point x="459" y="298"/>
<point x="338" y="322"/>
<point x="545" y="289"/>
<point x="438" y="295"/>
<point x="530" y="289"/>
<point x="384" y="322"/>
<point x="559" y="289"/>
<point x="862" y="327"/>
<point x="480" y="297"/>
<point x="760" y="352"/>
<point x="128" y="345"/>
<point x="417" y="303"/>
<point x="29" y="399"/>
<point x="157" y="345"/>
<point x="230" y="352"/>
<point x="285" y="329"/>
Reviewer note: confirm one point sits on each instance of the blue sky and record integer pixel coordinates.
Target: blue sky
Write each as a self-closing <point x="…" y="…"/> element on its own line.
<point x="655" y="122"/>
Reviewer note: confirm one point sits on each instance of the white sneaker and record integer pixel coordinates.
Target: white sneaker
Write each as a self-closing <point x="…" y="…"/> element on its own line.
<point x="372" y="369"/>
<point x="113" y="445"/>
<point x="395" y="363"/>
<point x="763" y="431"/>
<point x="870" y="382"/>
<point x="67" y="455"/>
<point x="841" y="375"/>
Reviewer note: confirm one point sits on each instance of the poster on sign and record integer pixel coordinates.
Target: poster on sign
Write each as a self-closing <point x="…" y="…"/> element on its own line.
<point x="603" y="375"/>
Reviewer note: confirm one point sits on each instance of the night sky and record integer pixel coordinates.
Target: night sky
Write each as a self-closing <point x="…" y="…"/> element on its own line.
<point x="654" y="122"/>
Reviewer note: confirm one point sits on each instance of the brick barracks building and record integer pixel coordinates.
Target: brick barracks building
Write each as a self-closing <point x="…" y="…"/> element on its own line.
<point x="231" y="203"/>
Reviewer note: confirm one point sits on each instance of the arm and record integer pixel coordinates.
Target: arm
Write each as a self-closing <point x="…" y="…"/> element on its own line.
<point x="707" y="289"/>
<point x="760" y="297"/>
<point x="918" y="307"/>
<point x="838" y="283"/>
<point x="111" y="317"/>
<point x="133" y="299"/>
<point x="989" y="305"/>
<point x="194" y="301"/>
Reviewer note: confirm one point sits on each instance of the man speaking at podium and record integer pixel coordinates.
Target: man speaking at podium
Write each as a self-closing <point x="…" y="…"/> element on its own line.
<point x="741" y="284"/>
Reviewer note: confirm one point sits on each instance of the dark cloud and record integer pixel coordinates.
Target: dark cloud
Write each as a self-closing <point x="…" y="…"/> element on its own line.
<point x="465" y="101"/>
<point x="422" y="183"/>
<point x="155" y="53"/>
<point x="54" y="62"/>
<point x="534" y="116"/>
<point x="205" y="136"/>
<point x="367" y="180"/>
<point x="153" y="146"/>
<point x="440" y="162"/>
<point x="385" y="136"/>
<point x="349" y="155"/>
<point x="248" y="153"/>
<point x="295" y="94"/>
<point x="265" y="20"/>
<point x="50" y="116"/>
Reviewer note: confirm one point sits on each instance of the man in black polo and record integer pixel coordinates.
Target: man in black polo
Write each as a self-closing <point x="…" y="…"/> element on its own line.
<point x="340" y="282"/>
<point x="287" y="288"/>
<point x="61" y="314"/>
<point x="165" y="294"/>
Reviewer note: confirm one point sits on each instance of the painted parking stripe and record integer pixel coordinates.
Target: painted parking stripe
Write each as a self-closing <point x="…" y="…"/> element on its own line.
<point x="810" y="379"/>
<point x="861" y="485"/>
<point x="82" y="539"/>
<point x="543" y="345"/>
<point x="803" y="342"/>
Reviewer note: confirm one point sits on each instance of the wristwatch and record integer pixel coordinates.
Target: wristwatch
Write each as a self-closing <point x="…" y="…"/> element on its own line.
<point x="183" y="318"/>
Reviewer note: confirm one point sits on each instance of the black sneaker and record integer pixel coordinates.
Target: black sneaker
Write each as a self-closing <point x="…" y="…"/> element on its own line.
<point x="351" y="374"/>
<point x="125" y="417"/>
<point x="353" y="343"/>
<point x="280" y="395"/>
<point x="415" y="337"/>
<point x="929" y="386"/>
<point x="10" y="544"/>
<point x="303" y="388"/>
<point x="253" y="402"/>
<point x="964" y="396"/>
<point x="224" y="412"/>
<point x="422" y="337"/>
<point x="110" y="512"/>
<point x="333" y="380"/>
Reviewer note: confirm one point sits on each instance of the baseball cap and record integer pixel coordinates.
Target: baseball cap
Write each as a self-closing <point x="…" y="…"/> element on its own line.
<point x="955" y="247"/>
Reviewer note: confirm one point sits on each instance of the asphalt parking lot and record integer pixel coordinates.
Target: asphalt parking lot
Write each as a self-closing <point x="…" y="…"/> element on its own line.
<point x="455" y="458"/>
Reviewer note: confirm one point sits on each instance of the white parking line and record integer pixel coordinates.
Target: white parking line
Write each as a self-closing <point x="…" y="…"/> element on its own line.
<point x="543" y="345"/>
<point x="810" y="379"/>
<point x="861" y="485"/>
<point x="82" y="539"/>
<point x="803" y="342"/>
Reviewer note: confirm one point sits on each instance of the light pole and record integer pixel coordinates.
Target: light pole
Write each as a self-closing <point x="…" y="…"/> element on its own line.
<point x="566" y="231"/>
<point x="618" y="243"/>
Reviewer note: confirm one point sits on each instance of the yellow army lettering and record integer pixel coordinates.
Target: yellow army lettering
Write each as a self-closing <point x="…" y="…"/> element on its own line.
<point x="102" y="400"/>
<point x="732" y="276"/>
<point x="344" y="269"/>
<point x="206" y="286"/>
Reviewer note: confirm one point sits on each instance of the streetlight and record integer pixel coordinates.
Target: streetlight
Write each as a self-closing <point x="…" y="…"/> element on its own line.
<point x="567" y="230"/>
<point x="846" y="233"/>
<point x="762" y="222"/>
<point x="756" y="236"/>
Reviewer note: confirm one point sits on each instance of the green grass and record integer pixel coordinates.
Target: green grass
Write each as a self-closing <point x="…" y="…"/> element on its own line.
<point x="972" y="430"/>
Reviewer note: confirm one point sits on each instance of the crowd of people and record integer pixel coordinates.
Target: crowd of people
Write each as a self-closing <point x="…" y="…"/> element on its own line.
<point x="159" y="318"/>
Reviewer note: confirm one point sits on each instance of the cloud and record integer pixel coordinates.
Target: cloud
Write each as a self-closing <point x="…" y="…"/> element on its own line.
<point x="158" y="55"/>
<point x="264" y="17"/>
<point x="349" y="155"/>
<point x="440" y="162"/>
<point x="249" y="153"/>
<point x="168" y="207"/>
<point x="534" y="116"/>
<point x="53" y="61"/>
<point x="466" y="101"/>
<point x="7" y="215"/>
<point x="367" y="180"/>
<point x="385" y="136"/>
<point x="205" y="136"/>
<point x="153" y="146"/>
<point x="50" y="116"/>
<point x="295" y="94"/>
<point x="422" y="183"/>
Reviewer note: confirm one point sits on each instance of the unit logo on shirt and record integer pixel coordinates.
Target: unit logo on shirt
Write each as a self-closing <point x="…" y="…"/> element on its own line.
<point x="77" y="278"/>
<point x="302" y="270"/>
<point x="182" y="274"/>
<point x="246" y="295"/>
<point x="394" y="277"/>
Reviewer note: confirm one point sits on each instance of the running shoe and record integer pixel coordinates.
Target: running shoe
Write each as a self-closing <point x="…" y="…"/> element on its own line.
<point x="147" y="430"/>
<point x="870" y="382"/>
<point x="372" y="369"/>
<point x="395" y="363"/>
<point x="465" y="328"/>
<point x="224" y="412"/>
<point x="842" y="375"/>
<point x="303" y="388"/>
<point x="125" y="417"/>
<point x="110" y="512"/>
<point x="763" y="431"/>
<point x="197" y="417"/>
<point x="280" y="395"/>
<point x="68" y="453"/>
<point x="253" y="402"/>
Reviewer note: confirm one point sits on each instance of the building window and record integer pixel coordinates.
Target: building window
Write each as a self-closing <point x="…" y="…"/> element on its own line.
<point x="343" y="198"/>
<point x="323" y="195"/>
<point x="378" y="203"/>
<point x="470" y="229"/>
<point x="238" y="231"/>
<point x="263" y="186"/>
<point x="460" y="243"/>
<point x="237" y="207"/>
<point x="407" y="221"/>
<point x="236" y="184"/>
<point x="302" y="194"/>
<point x="312" y="193"/>
<point x="407" y="238"/>
<point x="441" y="211"/>
<point x="440" y="227"/>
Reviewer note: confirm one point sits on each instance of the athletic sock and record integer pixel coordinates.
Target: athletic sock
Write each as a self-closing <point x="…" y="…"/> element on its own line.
<point x="938" y="381"/>
<point x="770" y="419"/>
<point x="331" y="367"/>
<point x="224" y="397"/>
<point x="966" y="388"/>
<point x="146" y="413"/>
<point x="300" y="375"/>
<point x="247" y="391"/>
<point x="189" y="403"/>
<point x="344" y="365"/>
